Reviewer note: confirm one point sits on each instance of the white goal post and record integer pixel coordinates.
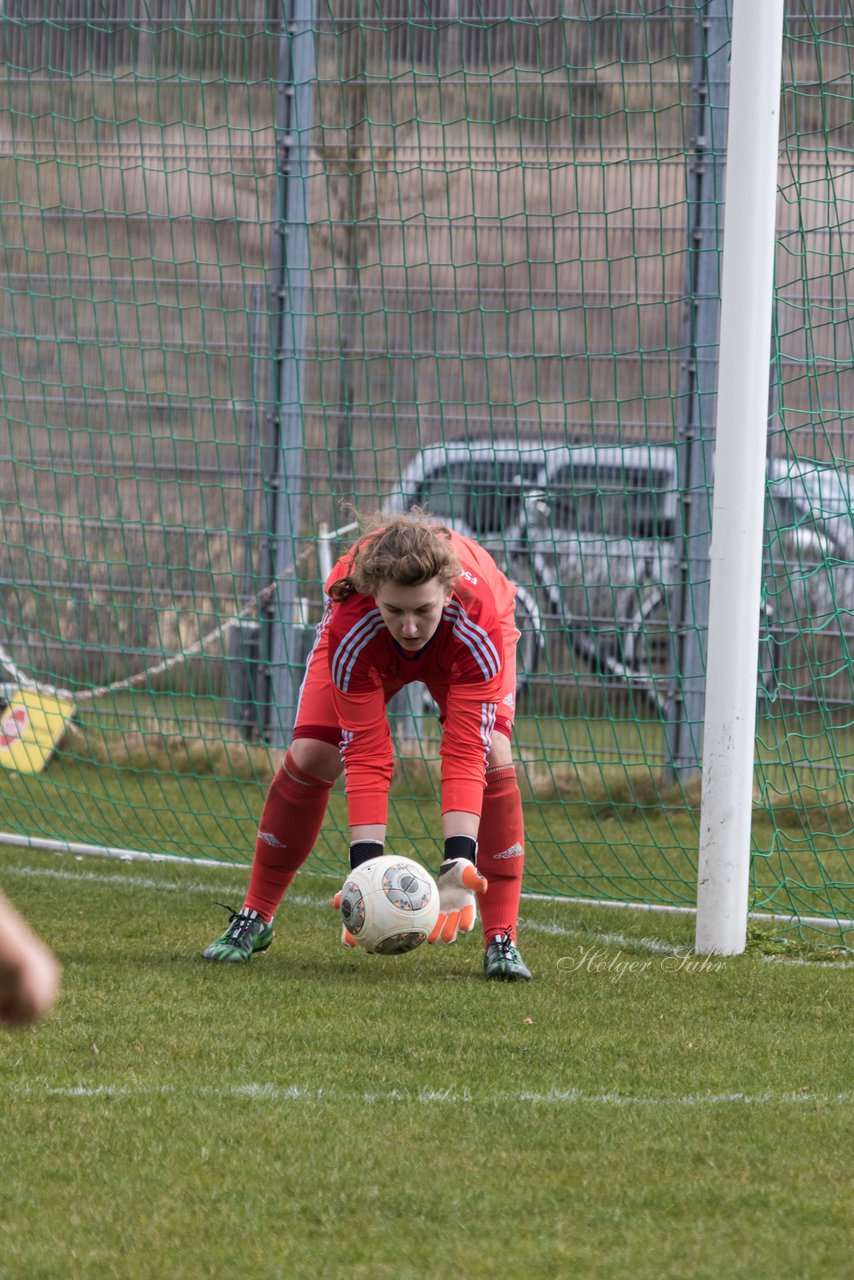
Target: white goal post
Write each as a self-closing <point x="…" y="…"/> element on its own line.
<point x="739" y="483"/>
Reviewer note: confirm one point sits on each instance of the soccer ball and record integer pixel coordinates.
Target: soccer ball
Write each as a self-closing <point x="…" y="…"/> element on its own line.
<point x="390" y="905"/>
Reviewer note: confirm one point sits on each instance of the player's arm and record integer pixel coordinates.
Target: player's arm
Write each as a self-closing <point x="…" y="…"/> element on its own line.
<point x="368" y="760"/>
<point x="471" y="702"/>
<point x="29" y="973"/>
<point x="358" y="698"/>
<point x="368" y="765"/>
<point x="470" y="717"/>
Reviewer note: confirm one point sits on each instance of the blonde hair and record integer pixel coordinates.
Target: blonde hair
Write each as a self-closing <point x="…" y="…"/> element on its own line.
<point x="408" y="550"/>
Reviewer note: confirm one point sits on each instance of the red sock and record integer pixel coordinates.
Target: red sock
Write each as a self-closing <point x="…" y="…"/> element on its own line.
<point x="290" y="824"/>
<point x="501" y="852"/>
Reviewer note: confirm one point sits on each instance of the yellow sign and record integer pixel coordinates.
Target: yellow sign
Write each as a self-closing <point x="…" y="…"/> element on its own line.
<point x="30" y="727"/>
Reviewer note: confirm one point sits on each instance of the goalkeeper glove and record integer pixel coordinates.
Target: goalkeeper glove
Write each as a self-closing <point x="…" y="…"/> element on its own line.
<point x="459" y="882"/>
<point x="360" y="851"/>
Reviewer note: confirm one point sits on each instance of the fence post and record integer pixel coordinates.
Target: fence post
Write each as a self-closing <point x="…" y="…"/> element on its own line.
<point x="242" y="664"/>
<point x="285" y="640"/>
<point x="698" y="381"/>
<point x="739" y="488"/>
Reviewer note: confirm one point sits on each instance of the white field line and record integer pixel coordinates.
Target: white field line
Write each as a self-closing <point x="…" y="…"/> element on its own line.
<point x="776" y="917"/>
<point x="144" y="882"/>
<point x="16" y="841"/>
<point x="813" y="964"/>
<point x="600" y="939"/>
<point x="275" y="1095"/>
<point x="136" y="855"/>
<point x="621" y="941"/>
<point x="131" y="881"/>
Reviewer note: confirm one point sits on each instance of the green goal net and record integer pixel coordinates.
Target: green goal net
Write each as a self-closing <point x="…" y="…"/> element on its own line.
<point x="265" y="263"/>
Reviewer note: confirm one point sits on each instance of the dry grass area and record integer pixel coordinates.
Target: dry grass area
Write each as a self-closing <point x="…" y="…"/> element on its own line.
<point x="464" y="279"/>
<point x="167" y="745"/>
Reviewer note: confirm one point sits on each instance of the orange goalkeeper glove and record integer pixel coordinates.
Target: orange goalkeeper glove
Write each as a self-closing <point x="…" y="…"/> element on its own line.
<point x="360" y="851"/>
<point x="459" y="883"/>
<point x="346" y="936"/>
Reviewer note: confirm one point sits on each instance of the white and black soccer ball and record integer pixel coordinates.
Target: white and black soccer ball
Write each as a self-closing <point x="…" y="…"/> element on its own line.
<point x="390" y="905"/>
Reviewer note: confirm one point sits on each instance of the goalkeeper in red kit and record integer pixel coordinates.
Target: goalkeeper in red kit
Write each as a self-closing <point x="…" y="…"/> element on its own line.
<point x="410" y="601"/>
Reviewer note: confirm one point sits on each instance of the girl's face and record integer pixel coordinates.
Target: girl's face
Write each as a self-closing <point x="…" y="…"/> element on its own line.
<point x="412" y="614"/>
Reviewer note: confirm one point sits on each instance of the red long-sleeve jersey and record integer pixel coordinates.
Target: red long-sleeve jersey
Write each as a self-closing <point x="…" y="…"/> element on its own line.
<point x="467" y="665"/>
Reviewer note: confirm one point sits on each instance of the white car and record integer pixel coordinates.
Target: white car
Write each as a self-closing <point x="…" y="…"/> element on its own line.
<point x="477" y="486"/>
<point x="590" y="534"/>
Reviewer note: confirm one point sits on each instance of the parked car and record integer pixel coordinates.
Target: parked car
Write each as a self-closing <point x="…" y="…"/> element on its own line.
<point x="597" y="538"/>
<point x="590" y="534"/>
<point x="809" y="576"/>
<point x="478" y="486"/>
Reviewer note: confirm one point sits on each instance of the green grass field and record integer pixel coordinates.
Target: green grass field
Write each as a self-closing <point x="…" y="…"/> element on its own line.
<point x="166" y="775"/>
<point x="635" y="1112"/>
<point x="319" y="1113"/>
